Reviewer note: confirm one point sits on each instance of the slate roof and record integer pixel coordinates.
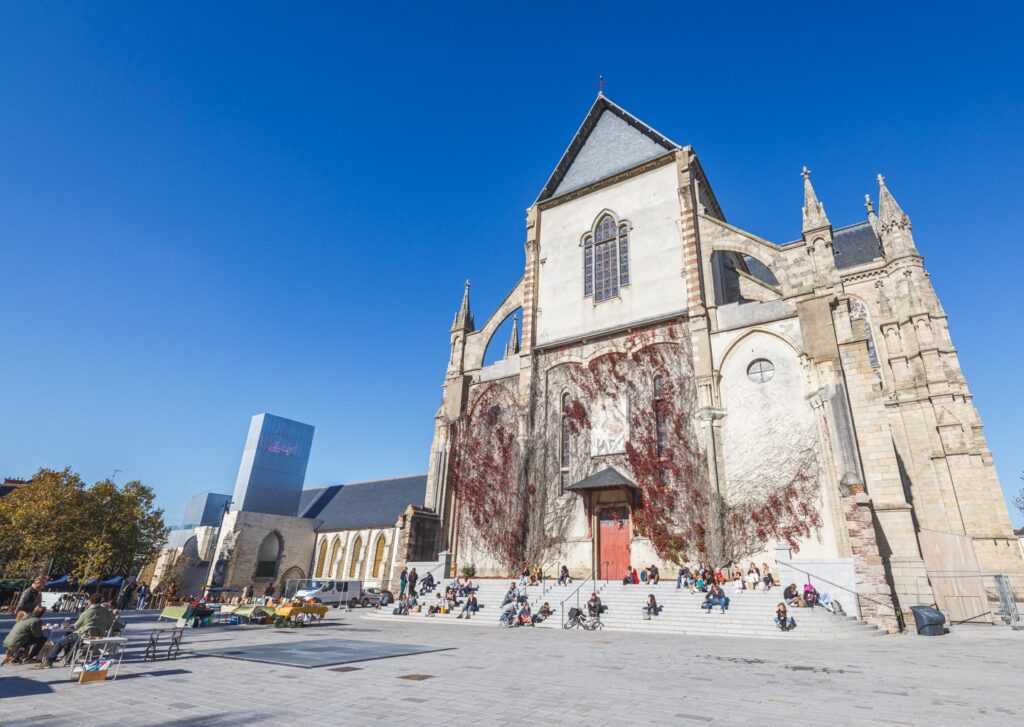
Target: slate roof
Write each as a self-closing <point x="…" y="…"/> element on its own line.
<point x="364" y="504"/>
<point x="608" y="477"/>
<point x="855" y="245"/>
<point x="616" y="148"/>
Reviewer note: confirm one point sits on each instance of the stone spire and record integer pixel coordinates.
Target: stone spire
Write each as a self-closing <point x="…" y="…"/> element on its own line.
<point x="895" y="232"/>
<point x="464" y="318"/>
<point x="814" y="212"/>
<point x="512" y="347"/>
<point x="872" y="218"/>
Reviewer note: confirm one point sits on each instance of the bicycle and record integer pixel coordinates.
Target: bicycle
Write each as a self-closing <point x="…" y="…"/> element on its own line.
<point x="578" y="619"/>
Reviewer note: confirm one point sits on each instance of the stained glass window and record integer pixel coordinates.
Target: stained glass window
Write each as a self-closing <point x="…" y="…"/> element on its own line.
<point x="623" y="255"/>
<point x="606" y="259"/>
<point x="588" y="268"/>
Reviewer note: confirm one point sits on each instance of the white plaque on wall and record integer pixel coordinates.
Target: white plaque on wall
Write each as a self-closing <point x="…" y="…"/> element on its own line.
<point x="609" y="429"/>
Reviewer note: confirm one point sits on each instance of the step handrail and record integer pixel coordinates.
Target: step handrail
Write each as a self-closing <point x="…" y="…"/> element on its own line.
<point x="858" y="596"/>
<point x="576" y="592"/>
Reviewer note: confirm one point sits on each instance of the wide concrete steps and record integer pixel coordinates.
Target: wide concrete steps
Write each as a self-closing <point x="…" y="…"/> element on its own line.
<point x="749" y="615"/>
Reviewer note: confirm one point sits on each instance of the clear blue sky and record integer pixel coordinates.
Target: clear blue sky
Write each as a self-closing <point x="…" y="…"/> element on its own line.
<point x="210" y="210"/>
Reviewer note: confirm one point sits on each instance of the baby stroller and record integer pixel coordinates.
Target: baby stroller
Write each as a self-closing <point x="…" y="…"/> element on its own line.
<point x="509" y="615"/>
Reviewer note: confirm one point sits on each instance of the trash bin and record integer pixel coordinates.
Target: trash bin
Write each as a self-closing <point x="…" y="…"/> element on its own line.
<point x="930" y="621"/>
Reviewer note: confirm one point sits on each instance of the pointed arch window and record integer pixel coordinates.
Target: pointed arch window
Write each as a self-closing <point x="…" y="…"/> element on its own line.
<point x="859" y="312"/>
<point x="378" y="556"/>
<point x="321" y="558"/>
<point x="356" y="548"/>
<point x="606" y="258"/>
<point x="334" y="555"/>
<point x="564" y="440"/>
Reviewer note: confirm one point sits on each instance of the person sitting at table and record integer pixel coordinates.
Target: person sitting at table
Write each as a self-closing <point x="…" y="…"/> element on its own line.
<point x="94" y="622"/>
<point x="26" y="636"/>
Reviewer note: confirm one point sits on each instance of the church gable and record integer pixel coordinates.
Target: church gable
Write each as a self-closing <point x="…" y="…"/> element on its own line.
<point x="609" y="141"/>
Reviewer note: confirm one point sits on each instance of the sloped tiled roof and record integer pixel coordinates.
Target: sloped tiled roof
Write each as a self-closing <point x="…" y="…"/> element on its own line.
<point x="609" y="140"/>
<point x="608" y="477"/>
<point x="855" y="245"/>
<point x="363" y="504"/>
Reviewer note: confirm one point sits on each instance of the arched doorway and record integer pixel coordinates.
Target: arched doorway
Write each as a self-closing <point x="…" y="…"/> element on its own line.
<point x="268" y="556"/>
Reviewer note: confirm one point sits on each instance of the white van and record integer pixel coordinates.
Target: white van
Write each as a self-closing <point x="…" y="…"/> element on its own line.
<point x="329" y="591"/>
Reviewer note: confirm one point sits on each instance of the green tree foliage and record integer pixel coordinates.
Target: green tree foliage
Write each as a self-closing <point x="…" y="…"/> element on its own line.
<point x="56" y="523"/>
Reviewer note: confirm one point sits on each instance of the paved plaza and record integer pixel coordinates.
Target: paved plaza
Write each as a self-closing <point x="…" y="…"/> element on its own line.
<point x="491" y="676"/>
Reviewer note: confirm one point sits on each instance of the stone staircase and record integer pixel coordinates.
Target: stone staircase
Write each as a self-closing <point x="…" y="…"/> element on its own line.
<point x="750" y="612"/>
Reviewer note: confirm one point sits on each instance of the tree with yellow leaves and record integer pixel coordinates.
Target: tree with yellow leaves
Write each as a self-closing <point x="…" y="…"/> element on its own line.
<point x="55" y="524"/>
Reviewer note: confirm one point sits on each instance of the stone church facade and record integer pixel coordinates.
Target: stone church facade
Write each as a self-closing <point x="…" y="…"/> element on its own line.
<point x="683" y="389"/>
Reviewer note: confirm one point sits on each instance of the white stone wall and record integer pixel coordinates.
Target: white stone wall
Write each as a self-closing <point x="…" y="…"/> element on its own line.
<point x="650" y="203"/>
<point x="768" y="429"/>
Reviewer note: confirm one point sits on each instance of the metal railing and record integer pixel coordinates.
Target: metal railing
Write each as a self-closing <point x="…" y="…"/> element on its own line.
<point x="997" y="590"/>
<point x="576" y="593"/>
<point x="857" y="596"/>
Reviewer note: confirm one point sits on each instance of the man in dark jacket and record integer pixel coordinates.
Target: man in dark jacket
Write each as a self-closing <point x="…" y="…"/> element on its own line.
<point x="31" y="598"/>
<point x="27" y="634"/>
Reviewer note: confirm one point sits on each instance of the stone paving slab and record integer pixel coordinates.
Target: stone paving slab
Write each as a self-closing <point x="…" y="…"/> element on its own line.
<point x="312" y="653"/>
<point x="541" y="677"/>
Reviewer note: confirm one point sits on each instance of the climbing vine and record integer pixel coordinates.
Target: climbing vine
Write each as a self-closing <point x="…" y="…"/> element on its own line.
<point x="509" y="494"/>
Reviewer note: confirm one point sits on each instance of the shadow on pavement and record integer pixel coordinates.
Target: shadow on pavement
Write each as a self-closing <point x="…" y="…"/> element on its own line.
<point x="11" y="686"/>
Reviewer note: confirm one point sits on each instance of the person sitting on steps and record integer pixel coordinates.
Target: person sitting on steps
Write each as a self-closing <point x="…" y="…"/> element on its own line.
<point x="766" y="575"/>
<point x="810" y="596"/>
<point x="792" y="595"/>
<point x="651" y="607"/>
<point x="653" y="576"/>
<point x="782" y="619"/>
<point x="594" y="606"/>
<point x="715" y="597"/>
<point x="563" y="577"/>
<point x="542" y="613"/>
<point x="525" y="615"/>
<point x="469" y="608"/>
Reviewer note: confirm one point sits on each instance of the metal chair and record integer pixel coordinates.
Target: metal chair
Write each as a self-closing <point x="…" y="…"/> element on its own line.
<point x="175" y="645"/>
<point x="152" y="646"/>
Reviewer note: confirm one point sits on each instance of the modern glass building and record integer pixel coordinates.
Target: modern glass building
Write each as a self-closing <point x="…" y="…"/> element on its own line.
<point x="205" y="509"/>
<point x="273" y="467"/>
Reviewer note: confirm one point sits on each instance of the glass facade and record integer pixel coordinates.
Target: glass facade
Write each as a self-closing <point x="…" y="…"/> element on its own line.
<point x="273" y="467"/>
<point x="205" y="509"/>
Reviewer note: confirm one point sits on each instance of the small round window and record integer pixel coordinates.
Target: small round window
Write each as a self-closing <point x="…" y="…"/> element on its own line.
<point x="760" y="370"/>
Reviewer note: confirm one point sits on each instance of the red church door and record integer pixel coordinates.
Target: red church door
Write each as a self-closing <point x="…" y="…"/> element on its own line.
<point x="613" y="543"/>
